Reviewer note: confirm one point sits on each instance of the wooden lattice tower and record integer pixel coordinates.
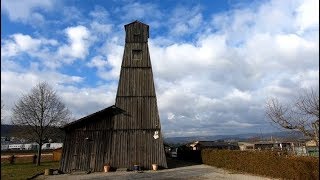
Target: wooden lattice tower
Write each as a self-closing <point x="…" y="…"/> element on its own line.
<point x="137" y="135"/>
<point x="127" y="133"/>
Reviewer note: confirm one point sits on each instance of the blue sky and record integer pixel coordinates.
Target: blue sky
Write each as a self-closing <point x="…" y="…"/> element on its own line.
<point x="215" y="63"/>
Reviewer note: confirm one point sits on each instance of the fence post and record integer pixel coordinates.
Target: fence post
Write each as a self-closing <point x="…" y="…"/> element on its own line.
<point x="11" y="159"/>
<point x="34" y="159"/>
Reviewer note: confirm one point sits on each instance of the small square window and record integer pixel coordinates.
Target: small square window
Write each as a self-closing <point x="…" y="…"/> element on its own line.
<point x="136" y="32"/>
<point x="136" y="54"/>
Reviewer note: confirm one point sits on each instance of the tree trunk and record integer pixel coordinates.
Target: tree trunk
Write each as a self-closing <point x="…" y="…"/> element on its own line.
<point x="39" y="153"/>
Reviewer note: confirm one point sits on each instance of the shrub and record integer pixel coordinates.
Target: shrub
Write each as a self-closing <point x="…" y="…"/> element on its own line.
<point x="263" y="163"/>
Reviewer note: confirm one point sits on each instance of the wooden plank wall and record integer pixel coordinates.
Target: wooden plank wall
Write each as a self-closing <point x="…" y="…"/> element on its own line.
<point x="80" y="154"/>
<point x="137" y="32"/>
<point x="130" y="147"/>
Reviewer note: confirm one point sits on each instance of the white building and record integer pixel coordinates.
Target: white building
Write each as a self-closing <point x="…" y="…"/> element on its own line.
<point x="31" y="146"/>
<point x="52" y="145"/>
<point x="16" y="146"/>
<point x="4" y="147"/>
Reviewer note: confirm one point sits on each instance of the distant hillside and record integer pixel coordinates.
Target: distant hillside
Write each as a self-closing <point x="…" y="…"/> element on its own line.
<point x="238" y="137"/>
<point x="6" y="130"/>
<point x="57" y="135"/>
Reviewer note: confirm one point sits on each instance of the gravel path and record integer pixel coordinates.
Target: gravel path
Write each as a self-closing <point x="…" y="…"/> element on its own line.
<point x="188" y="172"/>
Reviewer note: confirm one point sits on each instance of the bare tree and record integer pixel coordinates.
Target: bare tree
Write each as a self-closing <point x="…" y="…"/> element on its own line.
<point x="302" y="115"/>
<point x="37" y="112"/>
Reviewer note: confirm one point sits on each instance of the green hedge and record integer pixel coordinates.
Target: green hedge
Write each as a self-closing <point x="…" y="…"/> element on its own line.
<point x="263" y="163"/>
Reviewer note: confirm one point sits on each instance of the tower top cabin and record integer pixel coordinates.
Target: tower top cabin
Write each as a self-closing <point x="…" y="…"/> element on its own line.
<point x="137" y="32"/>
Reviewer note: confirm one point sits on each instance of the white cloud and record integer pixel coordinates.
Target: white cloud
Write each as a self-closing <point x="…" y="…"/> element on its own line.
<point x="16" y="84"/>
<point x="113" y="53"/>
<point x="213" y="83"/>
<point x="18" y="43"/>
<point x="138" y="11"/>
<point x="98" y="62"/>
<point x="85" y="101"/>
<point x="26" y="11"/>
<point x="308" y="15"/>
<point x="101" y="28"/>
<point x="184" y="20"/>
<point x="236" y="94"/>
<point x="25" y="42"/>
<point x="78" y="38"/>
<point x="99" y="13"/>
<point x="255" y="54"/>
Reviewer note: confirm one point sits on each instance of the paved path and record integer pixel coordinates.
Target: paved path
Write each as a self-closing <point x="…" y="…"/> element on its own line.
<point x="188" y="172"/>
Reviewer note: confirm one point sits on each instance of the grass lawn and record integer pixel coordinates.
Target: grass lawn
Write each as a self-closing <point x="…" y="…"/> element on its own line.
<point x="25" y="170"/>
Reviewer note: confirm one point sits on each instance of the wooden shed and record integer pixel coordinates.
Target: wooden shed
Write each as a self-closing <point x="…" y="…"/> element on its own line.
<point x="57" y="154"/>
<point x="128" y="133"/>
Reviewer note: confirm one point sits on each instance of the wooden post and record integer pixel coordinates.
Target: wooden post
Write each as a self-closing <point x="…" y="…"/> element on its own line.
<point x="48" y="172"/>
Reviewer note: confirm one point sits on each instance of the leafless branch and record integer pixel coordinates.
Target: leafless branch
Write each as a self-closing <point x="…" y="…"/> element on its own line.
<point x="302" y="115"/>
<point x="38" y="111"/>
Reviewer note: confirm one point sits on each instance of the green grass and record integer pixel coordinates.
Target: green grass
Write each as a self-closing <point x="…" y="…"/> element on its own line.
<point x="25" y="170"/>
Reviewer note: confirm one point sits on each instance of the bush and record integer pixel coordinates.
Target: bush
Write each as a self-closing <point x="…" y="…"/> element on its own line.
<point x="263" y="163"/>
<point x="187" y="154"/>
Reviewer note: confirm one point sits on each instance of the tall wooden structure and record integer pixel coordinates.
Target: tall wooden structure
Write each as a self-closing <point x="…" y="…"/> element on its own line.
<point x="127" y="133"/>
<point x="136" y="135"/>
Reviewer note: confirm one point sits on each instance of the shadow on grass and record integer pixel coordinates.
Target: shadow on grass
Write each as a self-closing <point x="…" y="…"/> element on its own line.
<point x="176" y="163"/>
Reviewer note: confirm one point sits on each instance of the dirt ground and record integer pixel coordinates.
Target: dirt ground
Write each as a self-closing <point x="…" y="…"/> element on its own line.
<point x="176" y="170"/>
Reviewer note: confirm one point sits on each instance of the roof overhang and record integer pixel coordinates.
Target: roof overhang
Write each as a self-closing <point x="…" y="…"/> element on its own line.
<point x="109" y="111"/>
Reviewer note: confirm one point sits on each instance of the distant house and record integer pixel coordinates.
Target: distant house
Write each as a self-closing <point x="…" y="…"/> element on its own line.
<point x="298" y="147"/>
<point x="167" y="149"/>
<point x="246" y="146"/>
<point x="270" y="145"/>
<point x="5" y="139"/>
<point x="312" y="149"/>
<point x="31" y="146"/>
<point x="16" y="146"/>
<point x="4" y="147"/>
<point x="311" y="143"/>
<point x="199" y="145"/>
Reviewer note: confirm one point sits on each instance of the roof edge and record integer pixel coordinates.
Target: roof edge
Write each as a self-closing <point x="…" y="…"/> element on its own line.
<point x="136" y="21"/>
<point x="114" y="109"/>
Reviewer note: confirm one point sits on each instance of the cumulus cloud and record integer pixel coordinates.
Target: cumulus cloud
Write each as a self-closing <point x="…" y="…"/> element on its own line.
<point x="15" y="84"/>
<point x="185" y="20"/>
<point x="216" y="82"/>
<point x="308" y="15"/>
<point x="78" y="38"/>
<point x="139" y="11"/>
<point x="23" y="43"/>
<point x="26" y="11"/>
<point x="249" y="56"/>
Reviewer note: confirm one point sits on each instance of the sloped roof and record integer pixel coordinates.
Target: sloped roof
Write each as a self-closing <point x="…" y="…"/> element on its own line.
<point x="109" y="111"/>
<point x="136" y="21"/>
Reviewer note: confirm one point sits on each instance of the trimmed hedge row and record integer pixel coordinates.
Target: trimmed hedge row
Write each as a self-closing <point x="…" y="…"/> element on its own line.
<point x="264" y="163"/>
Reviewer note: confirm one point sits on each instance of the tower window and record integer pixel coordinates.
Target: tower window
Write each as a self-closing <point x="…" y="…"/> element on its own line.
<point x="136" y="54"/>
